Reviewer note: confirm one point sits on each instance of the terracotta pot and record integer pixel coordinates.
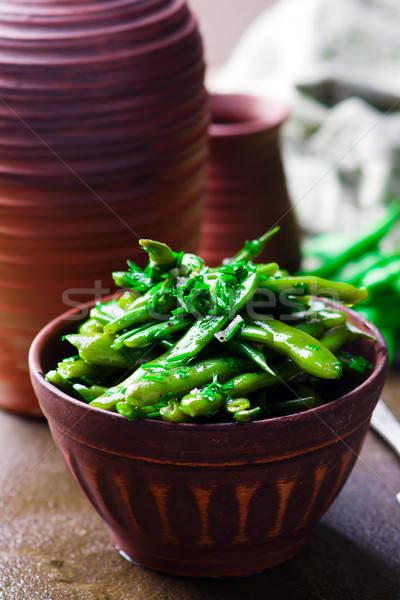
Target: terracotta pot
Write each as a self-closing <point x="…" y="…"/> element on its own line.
<point x="210" y="500"/>
<point x="246" y="187"/>
<point x="103" y="139"/>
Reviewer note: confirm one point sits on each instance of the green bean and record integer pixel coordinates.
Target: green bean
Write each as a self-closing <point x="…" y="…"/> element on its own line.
<point x="204" y="329"/>
<point x="105" y="312"/>
<point x="230" y="330"/>
<point x="178" y="314"/>
<point x="172" y="412"/>
<point x="202" y="402"/>
<point x="255" y="334"/>
<point x="306" y="399"/>
<point x="236" y="404"/>
<point x="97" y="348"/>
<point x="131" y="317"/>
<point x="337" y="250"/>
<point x="267" y="269"/>
<point x="126" y="299"/>
<point x="352" y="272"/>
<point x="246" y="415"/>
<point x="89" y="393"/>
<point x="110" y="399"/>
<point x="354" y="364"/>
<point x="75" y="367"/>
<point x="156" y="333"/>
<point x="119" y="341"/>
<point x="334" y="338"/>
<point x="191" y="263"/>
<point x="151" y="388"/>
<point x="252" y="352"/>
<point x="313" y="327"/>
<point x="166" y="344"/>
<point x="319" y="309"/>
<point x="126" y="410"/>
<point x="306" y="351"/>
<point x="316" y="286"/>
<point x="286" y="370"/>
<point x="241" y="410"/>
<point x="134" y="412"/>
<point x="143" y="309"/>
<point x="381" y="278"/>
<point x="246" y="383"/>
<point x="90" y="326"/>
<point x="160" y="254"/>
<point x="62" y="384"/>
<point x="117" y="392"/>
<point x="253" y="248"/>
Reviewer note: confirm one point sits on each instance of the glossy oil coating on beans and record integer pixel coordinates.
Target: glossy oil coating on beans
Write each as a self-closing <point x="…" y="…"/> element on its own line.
<point x="188" y="343"/>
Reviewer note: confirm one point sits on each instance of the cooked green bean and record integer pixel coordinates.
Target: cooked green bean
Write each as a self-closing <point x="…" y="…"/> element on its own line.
<point x="252" y="352"/>
<point x="97" y="348"/>
<point x="75" y="368"/>
<point x="203" y="331"/>
<point x="156" y="333"/>
<point x="253" y="248"/>
<point x="307" y="352"/>
<point x="183" y="342"/>
<point x="173" y="412"/>
<point x="306" y="399"/>
<point x="177" y="381"/>
<point x="152" y="304"/>
<point x="316" y="286"/>
<point x="160" y="254"/>
<point x="202" y="402"/>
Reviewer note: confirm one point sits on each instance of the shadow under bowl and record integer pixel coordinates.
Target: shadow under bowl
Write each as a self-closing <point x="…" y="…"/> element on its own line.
<point x="211" y="500"/>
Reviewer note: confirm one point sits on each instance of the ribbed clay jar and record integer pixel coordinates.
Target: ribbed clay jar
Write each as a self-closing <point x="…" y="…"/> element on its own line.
<point x="103" y="140"/>
<point x="246" y="186"/>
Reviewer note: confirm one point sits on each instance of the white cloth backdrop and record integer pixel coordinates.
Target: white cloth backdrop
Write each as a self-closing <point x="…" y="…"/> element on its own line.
<point x="336" y="63"/>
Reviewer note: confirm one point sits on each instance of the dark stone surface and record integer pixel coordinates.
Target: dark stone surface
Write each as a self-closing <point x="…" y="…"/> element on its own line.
<point x="54" y="546"/>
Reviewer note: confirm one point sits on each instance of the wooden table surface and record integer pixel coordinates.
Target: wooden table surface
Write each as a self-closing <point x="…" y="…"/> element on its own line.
<point x="53" y="545"/>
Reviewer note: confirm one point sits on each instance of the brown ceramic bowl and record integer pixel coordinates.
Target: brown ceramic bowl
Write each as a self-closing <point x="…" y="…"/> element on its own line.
<point x="208" y="500"/>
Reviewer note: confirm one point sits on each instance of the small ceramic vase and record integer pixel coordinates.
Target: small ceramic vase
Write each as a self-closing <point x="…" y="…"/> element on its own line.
<point x="246" y="187"/>
<point x="103" y="140"/>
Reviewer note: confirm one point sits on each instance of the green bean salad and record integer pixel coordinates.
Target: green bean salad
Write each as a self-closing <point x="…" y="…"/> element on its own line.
<point x="184" y="342"/>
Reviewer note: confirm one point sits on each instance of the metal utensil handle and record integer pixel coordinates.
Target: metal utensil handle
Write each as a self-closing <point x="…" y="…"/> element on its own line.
<point x="385" y="423"/>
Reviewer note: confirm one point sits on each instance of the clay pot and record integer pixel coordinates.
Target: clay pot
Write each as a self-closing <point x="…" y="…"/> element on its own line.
<point x="246" y="187"/>
<point x="103" y="140"/>
<point x="210" y="500"/>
